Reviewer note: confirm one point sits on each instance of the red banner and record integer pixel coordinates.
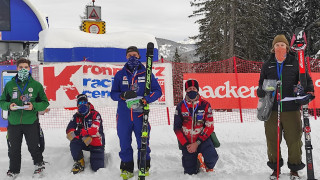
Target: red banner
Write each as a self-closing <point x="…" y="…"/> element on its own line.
<point x="233" y="91"/>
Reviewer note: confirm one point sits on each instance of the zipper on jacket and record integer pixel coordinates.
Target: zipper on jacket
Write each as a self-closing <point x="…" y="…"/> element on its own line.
<point x="21" y="116"/>
<point x="192" y="119"/>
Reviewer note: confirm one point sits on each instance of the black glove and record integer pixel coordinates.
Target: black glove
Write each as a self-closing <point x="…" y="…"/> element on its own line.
<point x="128" y="95"/>
<point x="306" y="99"/>
<point x="260" y="92"/>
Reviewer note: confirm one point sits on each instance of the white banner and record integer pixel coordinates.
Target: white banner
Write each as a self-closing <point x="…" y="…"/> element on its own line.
<point x="64" y="81"/>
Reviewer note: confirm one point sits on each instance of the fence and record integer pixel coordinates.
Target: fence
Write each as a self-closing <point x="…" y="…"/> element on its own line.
<point x="59" y="118"/>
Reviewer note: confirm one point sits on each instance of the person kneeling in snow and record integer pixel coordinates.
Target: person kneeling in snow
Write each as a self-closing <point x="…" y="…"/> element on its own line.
<point x="193" y="125"/>
<point x="85" y="132"/>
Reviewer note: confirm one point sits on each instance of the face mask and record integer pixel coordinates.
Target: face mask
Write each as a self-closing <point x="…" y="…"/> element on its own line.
<point x="83" y="109"/>
<point x="23" y="74"/>
<point x="281" y="53"/>
<point x="192" y="94"/>
<point x="133" y="62"/>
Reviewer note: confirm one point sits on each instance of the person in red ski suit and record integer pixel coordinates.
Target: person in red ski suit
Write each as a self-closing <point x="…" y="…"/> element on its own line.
<point x="85" y="132"/>
<point x="193" y="125"/>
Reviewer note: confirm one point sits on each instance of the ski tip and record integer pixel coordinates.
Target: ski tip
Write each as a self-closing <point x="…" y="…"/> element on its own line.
<point x="150" y="46"/>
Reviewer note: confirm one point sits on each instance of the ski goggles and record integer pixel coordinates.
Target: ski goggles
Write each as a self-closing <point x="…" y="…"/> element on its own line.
<point x="83" y="102"/>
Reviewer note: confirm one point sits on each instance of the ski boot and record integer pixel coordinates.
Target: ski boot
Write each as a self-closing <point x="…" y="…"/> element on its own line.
<point x="209" y="170"/>
<point x="273" y="176"/>
<point x="294" y="175"/>
<point x="147" y="171"/>
<point x="12" y="175"/>
<point x="38" y="172"/>
<point x="78" y="166"/>
<point x="202" y="165"/>
<point x="126" y="174"/>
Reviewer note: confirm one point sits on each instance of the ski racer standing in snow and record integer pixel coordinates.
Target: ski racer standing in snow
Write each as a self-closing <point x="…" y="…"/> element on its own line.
<point x="85" y="132"/>
<point x="193" y="125"/>
<point x="283" y="66"/>
<point x="130" y="83"/>
<point x="24" y="90"/>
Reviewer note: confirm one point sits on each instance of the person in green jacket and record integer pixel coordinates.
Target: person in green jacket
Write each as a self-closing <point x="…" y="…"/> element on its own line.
<point x="24" y="97"/>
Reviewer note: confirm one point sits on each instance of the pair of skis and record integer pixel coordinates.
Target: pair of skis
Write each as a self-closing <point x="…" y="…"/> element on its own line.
<point x="145" y="123"/>
<point x="299" y="44"/>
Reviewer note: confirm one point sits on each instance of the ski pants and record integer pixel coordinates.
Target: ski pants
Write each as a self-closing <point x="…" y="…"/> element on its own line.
<point x="96" y="153"/>
<point x="14" y="139"/>
<point x="291" y="128"/>
<point x="124" y="130"/>
<point x="190" y="160"/>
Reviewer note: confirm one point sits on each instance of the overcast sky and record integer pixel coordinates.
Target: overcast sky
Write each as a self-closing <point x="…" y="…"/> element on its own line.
<point x="163" y="18"/>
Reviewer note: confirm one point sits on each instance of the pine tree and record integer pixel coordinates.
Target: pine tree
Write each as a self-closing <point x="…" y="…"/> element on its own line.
<point x="313" y="26"/>
<point x="176" y="57"/>
<point x="230" y="28"/>
<point x="246" y="29"/>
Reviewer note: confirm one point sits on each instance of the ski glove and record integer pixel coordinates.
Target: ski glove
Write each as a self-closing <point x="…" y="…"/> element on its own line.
<point x="71" y="135"/>
<point x="260" y="92"/>
<point x="83" y="132"/>
<point x="128" y="95"/>
<point x="309" y="97"/>
<point x="87" y="140"/>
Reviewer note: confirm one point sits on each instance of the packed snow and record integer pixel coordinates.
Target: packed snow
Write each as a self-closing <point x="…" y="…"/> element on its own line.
<point x="243" y="155"/>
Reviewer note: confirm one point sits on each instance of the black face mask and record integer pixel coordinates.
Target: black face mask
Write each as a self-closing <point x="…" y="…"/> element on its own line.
<point x="192" y="94"/>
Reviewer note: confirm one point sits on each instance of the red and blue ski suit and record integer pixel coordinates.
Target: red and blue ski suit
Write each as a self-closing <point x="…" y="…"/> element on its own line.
<point x="127" y="120"/>
<point x="89" y="125"/>
<point x="189" y="130"/>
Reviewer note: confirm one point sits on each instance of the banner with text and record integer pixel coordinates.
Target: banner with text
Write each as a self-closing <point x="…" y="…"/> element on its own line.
<point x="231" y="91"/>
<point x="64" y="81"/>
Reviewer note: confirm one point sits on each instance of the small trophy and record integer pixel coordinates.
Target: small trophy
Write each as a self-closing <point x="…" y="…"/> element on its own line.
<point x="25" y="99"/>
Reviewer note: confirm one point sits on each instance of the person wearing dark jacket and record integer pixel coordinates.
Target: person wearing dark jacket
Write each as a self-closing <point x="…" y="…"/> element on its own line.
<point x="85" y="132"/>
<point x="129" y="83"/>
<point x="24" y="97"/>
<point x="284" y="67"/>
<point x="193" y="125"/>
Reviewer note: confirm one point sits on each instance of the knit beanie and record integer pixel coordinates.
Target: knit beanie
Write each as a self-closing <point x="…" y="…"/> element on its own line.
<point x="82" y="97"/>
<point x="192" y="82"/>
<point x="280" y="38"/>
<point x="132" y="49"/>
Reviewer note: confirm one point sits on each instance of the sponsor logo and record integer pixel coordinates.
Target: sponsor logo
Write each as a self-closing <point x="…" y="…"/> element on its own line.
<point x="228" y="91"/>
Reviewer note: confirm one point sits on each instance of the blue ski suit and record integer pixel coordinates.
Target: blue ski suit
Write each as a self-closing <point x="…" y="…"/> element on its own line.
<point x="127" y="120"/>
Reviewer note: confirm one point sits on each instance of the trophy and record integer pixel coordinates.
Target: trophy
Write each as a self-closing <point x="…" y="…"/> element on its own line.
<point x="25" y="99"/>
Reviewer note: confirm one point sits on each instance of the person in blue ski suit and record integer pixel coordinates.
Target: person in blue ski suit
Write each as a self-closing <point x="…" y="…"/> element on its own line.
<point x="85" y="132"/>
<point x="129" y="83"/>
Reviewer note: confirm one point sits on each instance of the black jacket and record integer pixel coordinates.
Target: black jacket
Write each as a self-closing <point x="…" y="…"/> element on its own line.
<point x="290" y="77"/>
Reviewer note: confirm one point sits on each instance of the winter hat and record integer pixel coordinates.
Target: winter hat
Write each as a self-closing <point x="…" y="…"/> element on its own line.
<point x="280" y="38"/>
<point x="132" y="49"/>
<point x="191" y="82"/>
<point x="82" y="97"/>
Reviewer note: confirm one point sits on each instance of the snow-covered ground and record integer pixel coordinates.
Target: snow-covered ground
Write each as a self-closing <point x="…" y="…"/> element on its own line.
<point x="242" y="155"/>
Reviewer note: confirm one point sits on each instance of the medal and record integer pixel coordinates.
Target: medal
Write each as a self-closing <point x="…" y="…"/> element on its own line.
<point x="25" y="98"/>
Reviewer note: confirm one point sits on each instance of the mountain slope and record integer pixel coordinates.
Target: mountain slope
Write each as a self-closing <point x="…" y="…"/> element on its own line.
<point x="186" y="50"/>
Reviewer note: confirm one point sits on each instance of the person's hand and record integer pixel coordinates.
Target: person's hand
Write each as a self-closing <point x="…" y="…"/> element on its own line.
<point x="309" y="97"/>
<point x="87" y="140"/>
<point x="260" y="92"/>
<point x="143" y="101"/>
<point x="128" y="95"/>
<point x="30" y="106"/>
<point x="192" y="147"/>
<point x="83" y="132"/>
<point x="11" y="106"/>
<point x="71" y="135"/>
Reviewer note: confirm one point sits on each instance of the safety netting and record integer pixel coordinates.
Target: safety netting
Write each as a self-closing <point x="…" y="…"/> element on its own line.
<point x="60" y="117"/>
